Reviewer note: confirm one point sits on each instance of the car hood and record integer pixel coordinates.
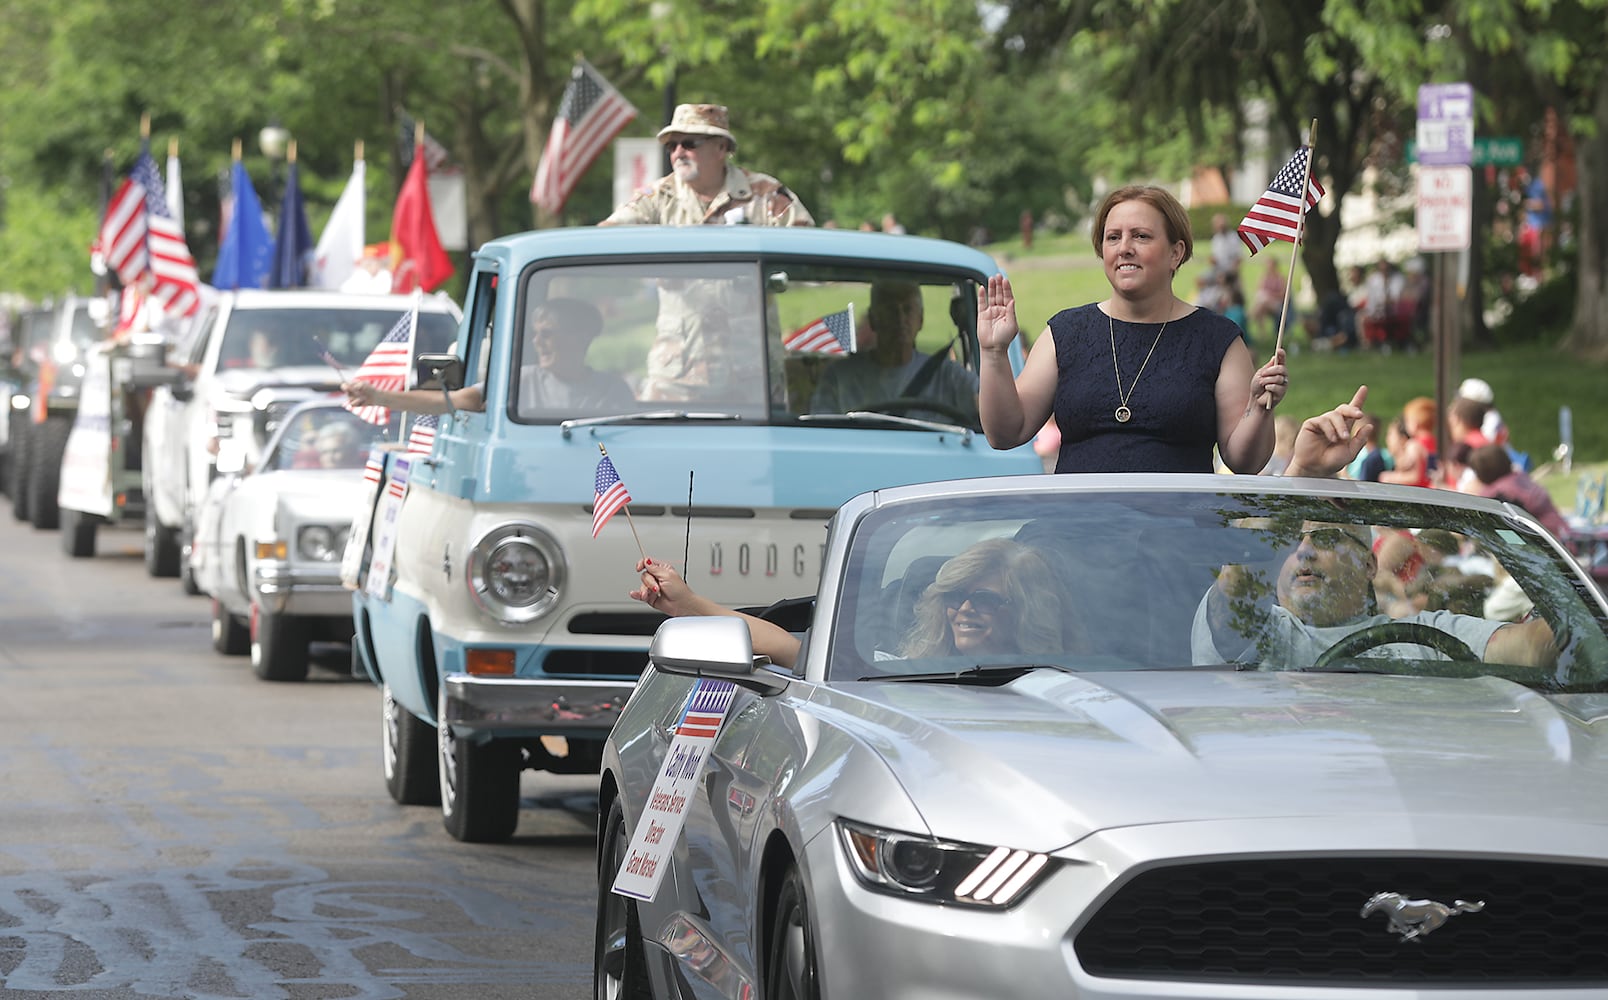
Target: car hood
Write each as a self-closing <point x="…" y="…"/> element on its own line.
<point x="1053" y="757"/>
<point x="328" y="495"/>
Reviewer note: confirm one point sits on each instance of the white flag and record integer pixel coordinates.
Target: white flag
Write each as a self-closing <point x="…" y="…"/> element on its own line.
<point x="335" y="257"/>
<point x="175" y="190"/>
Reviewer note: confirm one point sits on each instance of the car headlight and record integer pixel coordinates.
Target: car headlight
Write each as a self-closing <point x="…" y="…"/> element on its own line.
<point x="321" y="543"/>
<point x="939" y="871"/>
<point x="515" y="573"/>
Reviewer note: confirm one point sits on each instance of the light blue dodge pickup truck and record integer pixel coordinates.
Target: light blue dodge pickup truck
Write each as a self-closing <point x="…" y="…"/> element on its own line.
<point x="744" y="382"/>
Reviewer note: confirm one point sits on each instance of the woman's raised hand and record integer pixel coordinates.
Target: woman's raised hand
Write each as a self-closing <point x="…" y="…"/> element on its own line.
<point x="996" y="314"/>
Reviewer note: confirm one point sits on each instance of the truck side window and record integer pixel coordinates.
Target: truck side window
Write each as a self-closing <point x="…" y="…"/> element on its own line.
<point x="482" y="321"/>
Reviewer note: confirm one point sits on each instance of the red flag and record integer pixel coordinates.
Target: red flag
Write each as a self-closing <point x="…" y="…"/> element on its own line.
<point x="417" y="260"/>
<point x="590" y="114"/>
<point x="1278" y="213"/>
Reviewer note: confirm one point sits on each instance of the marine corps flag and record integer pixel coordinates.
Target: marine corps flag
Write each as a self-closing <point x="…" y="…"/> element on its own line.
<point x="417" y="259"/>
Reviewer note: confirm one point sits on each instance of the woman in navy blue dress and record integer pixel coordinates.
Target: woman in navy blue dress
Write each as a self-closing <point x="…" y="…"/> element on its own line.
<point x="1141" y="382"/>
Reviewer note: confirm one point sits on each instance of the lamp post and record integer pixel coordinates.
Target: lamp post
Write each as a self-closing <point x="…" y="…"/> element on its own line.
<point x="272" y="140"/>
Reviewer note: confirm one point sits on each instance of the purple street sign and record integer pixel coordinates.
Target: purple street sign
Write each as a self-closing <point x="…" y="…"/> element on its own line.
<point x="1445" y="124"/>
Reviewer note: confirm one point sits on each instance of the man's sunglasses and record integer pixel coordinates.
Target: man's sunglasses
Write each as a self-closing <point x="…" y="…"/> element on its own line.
<point x="1329" y="539"/>
<point x="687" y="144"/>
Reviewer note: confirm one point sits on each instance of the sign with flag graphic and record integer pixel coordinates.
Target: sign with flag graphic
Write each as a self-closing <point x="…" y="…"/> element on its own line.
<point x="590" y="114"/>
<point x="1278" y="214"/>
<point x="646" y="858"/>
<point x="388" y="366"/>
<point x="831" y="334"/>
<point x="609" y="495"/>
<point x="142" y="242"/>
<point x="421" y="438"/>
<point x="357" y="536"/>
<point x="385" y="529"/>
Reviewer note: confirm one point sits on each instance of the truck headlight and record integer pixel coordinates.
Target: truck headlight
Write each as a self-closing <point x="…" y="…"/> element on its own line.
<point x="321" y="543"/>
<point x="515" y="573"/>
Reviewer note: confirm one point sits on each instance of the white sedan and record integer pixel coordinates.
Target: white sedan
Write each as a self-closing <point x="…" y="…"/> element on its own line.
<point x="269" y="540"/>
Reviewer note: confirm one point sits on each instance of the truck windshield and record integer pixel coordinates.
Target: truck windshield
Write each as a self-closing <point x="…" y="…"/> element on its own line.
<point x="775" y="340"/>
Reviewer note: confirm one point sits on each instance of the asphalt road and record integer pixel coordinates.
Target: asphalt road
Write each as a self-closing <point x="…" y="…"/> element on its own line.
<point x="170" y="826"/>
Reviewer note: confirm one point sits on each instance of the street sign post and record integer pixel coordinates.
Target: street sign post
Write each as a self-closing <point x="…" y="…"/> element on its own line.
<point x="1489" y="151"/>
<point x="1445" y="208"/>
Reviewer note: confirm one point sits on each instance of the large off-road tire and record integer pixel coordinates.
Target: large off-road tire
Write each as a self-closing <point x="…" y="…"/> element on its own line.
<point x="619" y="963"/>
<point x="45" y="452"/>
<point x="161" y="544"/>
<point x="792" y="969"/>
<point x="17" y="477"/>
<point x="231" y="635"/>
<point x="278" y="646"/>
<point x="408" y="755"/>
<point x="479" y="786"/>
<point x="78" y="533"/>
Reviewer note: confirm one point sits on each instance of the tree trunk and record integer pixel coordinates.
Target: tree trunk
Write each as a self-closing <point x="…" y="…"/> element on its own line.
<point x="1588" y="337"/>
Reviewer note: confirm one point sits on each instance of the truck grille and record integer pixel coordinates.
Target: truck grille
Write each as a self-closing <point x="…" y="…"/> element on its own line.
<point x="1284" y="921"/>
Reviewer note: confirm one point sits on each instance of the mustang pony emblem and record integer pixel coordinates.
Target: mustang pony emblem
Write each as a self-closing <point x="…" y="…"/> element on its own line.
<point x="1415" y="918"/>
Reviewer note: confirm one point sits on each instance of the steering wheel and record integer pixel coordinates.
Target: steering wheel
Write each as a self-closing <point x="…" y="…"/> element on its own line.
<point x="1386" y="633"/>
<point x="904" y="404"/>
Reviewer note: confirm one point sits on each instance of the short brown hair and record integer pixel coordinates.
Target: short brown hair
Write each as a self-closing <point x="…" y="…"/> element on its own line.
<point x="1469" y="412"/>
<point x="1490" y="462"/>
<point x="1158" y="198"/>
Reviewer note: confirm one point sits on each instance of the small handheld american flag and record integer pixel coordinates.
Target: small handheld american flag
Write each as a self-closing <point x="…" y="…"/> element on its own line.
<point x="609" y="495"/>
<point x="388" y="365"/>
<point x="830" y="334"/>
<point x="1278" y="214"/>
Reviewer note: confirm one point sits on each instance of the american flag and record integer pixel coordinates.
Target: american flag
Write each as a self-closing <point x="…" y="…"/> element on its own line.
<point x="590" y="114"/>
<point x="387" y="366"/>
<point x="831" y="334"/>
<point x="707" y="708"/>
<point x="421" y="439"/>
<point x="141" y="239"/>
<point x="609" y="495"/>
<point x="374" y="467"/>
<point x="1278" y="213"/>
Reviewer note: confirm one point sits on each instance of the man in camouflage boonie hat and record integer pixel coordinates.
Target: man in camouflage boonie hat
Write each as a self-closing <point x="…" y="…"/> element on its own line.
<point x="703" y="188"/>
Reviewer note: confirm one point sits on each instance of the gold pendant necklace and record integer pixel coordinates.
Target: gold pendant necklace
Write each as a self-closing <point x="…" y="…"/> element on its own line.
<point x="1123" y="414"/>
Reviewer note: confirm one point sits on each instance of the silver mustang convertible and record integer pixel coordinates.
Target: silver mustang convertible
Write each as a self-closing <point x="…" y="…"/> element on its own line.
<point x="1134" y="737"/>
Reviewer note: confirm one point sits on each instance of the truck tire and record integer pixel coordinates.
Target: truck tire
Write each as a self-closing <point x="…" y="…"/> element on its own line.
<point x="230" y="635"/>
<point x="407" y="755"/>
<point x="479" y="786"/>
<point x="45" y="453"/>
<point x="278" y="646"/>
<point x="187" y="581"/>
<point x="17" y="479"/>
<point x="161" y="544"/>
<point x="78" y="533"/>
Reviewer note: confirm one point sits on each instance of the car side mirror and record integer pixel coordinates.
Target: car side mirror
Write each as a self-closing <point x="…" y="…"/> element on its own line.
<point x="438" y="371"/>
<point x="717" y="646"/>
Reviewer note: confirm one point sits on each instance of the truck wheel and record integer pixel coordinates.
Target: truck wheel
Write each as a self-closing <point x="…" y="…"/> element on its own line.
<point x="278" y="646"/>
<point x="408" y="755"/>
<point x="479" y="786"/>
<point x="44" y="471"/>
<point x="230" y="635"/>
<point x="187" y="581"/>
<point x="78" y="533"/>
<point x="17" y="480"/>
<point x="161" y="545"/>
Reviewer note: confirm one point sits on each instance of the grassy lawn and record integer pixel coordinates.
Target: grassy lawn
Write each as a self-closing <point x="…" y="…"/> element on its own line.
<point x="1531" y="381"/>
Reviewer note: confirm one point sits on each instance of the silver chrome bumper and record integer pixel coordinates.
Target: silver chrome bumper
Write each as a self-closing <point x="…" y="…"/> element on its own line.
<point x="286" y="590"/>
<point x="512" y="706"/>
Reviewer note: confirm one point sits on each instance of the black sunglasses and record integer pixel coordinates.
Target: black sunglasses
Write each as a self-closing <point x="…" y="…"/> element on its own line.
<point x="984" y="602"/>
<point x="1329" y="539"/>
<point x="687" y="144"/>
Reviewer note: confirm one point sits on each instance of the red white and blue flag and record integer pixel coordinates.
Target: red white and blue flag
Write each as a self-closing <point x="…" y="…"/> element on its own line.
<point x="421" y="439"/>
<point x="590" y="114"/>
<point x="388" y="366"/>
<point x="374" y="468"/>
<point x="831" y="334"/>
<point x="1278" y="214"/>
<point x="609" y="495"/>
<point x="707" y="708"/>
<point x="143" y="242"/>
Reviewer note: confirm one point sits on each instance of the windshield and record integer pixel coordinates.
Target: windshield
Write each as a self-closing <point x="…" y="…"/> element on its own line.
<point x="774" y="341"/>
<point x="266" y="339"/>
<point x="323" y="437"/>
<point x="1136" y="581"/>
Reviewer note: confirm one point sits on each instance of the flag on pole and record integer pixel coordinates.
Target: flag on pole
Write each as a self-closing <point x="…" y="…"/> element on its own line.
<point x="590" y="114"/>
<point x="388" y="365"/>
<point x="341" y="243"/>
<point x="831" y="334"/>
<point x="141" y="241"/>
<point x="609" y="495"/>
<point x="417" y="260"/>
<point x="247" y="252"/>
<point x="293" y="243"/>
<point x="421" y="438"/>
<point x="1278" y="213"/>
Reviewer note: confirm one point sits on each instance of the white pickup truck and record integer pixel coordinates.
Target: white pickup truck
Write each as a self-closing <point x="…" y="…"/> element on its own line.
<point x="293" y="344"/>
